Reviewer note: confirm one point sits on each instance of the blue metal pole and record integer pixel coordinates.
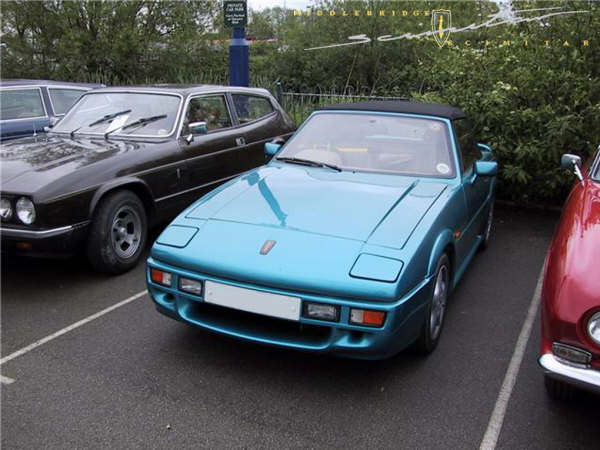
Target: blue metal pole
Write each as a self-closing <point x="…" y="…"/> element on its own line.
<point x="239" y="72"/>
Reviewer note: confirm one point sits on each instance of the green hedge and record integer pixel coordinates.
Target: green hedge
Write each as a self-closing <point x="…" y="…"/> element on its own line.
<point x="531" y="102"/>
<point x="528" y="109"/>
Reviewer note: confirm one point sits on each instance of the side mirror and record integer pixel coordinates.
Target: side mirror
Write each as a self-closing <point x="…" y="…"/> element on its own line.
<point x="486" y="151"/>
<point x="198" y="128"/>
<point x="486" y="168"/>
<point x="53" y="121"/>
<point x="271" y="148"/>
<point x="484" y="147"/>
<point x="572" y="162"/>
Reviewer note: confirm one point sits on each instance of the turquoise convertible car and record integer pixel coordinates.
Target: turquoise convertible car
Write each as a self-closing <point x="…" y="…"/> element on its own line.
<point x="347" y="242"/>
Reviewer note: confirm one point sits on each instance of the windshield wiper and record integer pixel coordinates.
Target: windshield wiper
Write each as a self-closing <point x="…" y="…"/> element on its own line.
<point x="101" y="120"/>
<point x="309" y="162"/>
<point x="140" y="122"/>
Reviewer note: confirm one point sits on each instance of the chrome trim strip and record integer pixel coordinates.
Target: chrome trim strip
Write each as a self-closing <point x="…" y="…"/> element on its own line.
<point x="39" y="234"/>
<point x="60" y="88"/>
<point x="27" y="88"/>
<point x="195" y="188"/>
<point x="594" y="172"/>
<point x="190" y="97"/>
<point x="225" y="90"/>
<point x="587" y="378"/>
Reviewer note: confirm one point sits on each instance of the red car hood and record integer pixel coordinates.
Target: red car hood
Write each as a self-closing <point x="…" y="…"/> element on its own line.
<point x="571" y="290"/>
<point x="576" y="251"/>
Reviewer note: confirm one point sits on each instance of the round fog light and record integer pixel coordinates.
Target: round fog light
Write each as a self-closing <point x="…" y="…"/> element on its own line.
<point x="5" y="209"/>
<point x="25" y="211"/>
<point x="593" y="328"/>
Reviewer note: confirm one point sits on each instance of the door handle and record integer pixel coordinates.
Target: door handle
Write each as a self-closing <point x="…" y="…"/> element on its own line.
<point x="240" y="140"/>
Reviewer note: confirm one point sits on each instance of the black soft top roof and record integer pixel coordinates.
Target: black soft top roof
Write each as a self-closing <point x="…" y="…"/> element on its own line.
<point x="402" y="106"/>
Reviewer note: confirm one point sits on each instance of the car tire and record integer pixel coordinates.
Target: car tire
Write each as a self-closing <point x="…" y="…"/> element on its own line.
<point x="436" y="308"/>
<point x="558" y="390"/>
<point x="487" y="228"/>
<point x="118" y="233"/>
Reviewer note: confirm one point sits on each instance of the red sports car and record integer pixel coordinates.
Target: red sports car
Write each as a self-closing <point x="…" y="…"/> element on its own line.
<point x="570" y="354"/>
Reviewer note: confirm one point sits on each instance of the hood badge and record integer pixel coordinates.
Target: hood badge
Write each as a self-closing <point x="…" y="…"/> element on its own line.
<point x="267" y="246"/>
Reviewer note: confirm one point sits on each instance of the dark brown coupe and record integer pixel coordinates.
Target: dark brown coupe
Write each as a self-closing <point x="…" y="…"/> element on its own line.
<point x="123" y="159"/>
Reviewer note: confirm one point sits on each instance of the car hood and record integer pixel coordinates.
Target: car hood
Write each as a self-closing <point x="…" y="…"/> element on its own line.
<point x="576" y="249"/>
<point x="30" y="163"/>
<point x="321" y="223"/>
<point x="344" y="205"/>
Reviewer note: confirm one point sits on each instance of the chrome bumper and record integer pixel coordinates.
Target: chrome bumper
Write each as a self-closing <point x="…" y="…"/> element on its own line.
<point x="34" y="234"/>
<point x="585" y="378"/>
<point x="19" y="233"/>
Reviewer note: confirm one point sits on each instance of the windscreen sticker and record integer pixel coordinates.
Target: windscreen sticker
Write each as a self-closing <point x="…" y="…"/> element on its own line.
<point x="443" y="168"/>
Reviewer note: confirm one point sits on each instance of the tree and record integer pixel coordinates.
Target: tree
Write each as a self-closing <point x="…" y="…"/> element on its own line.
<point x="122" y="41"/>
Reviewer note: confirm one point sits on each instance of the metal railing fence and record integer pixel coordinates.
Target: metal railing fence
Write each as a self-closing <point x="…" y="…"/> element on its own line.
<point x="299" y="105"/>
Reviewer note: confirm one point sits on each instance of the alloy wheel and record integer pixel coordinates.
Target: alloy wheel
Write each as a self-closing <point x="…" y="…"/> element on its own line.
<point x="438" y="302"/>
<point x="126" y="232"/>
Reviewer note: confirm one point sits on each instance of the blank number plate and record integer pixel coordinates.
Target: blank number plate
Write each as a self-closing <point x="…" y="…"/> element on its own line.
<point x="249" y="300"/>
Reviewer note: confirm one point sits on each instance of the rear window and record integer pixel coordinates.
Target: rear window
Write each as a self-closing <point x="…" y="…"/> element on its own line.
<point x="251" y="107"/>
<point x="21" y="104"/>
<point x="63" y="99"/>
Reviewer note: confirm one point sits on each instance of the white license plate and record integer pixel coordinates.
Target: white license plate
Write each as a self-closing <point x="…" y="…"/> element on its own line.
<point x="249" y="300"/>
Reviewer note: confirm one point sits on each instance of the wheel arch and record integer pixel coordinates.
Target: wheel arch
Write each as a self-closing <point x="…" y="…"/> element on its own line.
<point x="135" y="185"/>
<point x="443" y="244"/>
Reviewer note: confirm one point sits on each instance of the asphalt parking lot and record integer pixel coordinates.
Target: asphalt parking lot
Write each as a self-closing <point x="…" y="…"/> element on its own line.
<point x="132" y="378"/>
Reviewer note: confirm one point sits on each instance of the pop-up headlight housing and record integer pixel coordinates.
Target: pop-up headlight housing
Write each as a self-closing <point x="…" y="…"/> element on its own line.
<point x="377" y="268"/>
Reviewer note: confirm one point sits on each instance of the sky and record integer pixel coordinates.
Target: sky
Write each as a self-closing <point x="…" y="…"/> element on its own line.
<point x="292" y="4"/>
<point x="258" y="5"/>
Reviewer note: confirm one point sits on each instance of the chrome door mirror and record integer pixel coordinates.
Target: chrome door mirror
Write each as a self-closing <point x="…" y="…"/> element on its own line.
<point x="53" y="121"/>
<point x="572" y="162"/>
<point x="198" y="128"/>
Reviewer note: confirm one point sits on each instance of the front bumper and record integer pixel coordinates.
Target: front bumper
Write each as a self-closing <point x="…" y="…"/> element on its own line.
<point x="60" y="241"/>
<point x="404" y="319"/>
<point x="585" y="378"/>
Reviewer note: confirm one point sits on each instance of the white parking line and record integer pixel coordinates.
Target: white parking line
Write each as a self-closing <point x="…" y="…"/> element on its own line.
<point x="490" y="438"/>
<point x="70" y="328"/>
<point x="6" y="380"/>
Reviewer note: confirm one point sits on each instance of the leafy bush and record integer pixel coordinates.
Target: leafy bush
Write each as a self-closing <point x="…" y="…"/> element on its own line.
<point x="531" y="102"/>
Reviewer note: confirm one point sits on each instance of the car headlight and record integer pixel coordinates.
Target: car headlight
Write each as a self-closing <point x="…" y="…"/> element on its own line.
<point x="191" y="286"/>
<point x="6" y="211"/>
<point x="25" y="211"/>
<point x="593" y="328"/>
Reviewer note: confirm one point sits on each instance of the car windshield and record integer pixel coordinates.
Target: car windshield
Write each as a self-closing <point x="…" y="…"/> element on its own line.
<point x="103" y="112"/>
<point x="374" y="142"/>
<point x="596" y="174"/>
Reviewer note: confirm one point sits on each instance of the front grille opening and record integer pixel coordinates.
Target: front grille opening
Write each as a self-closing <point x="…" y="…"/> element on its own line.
<point x="257" y="325"/>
